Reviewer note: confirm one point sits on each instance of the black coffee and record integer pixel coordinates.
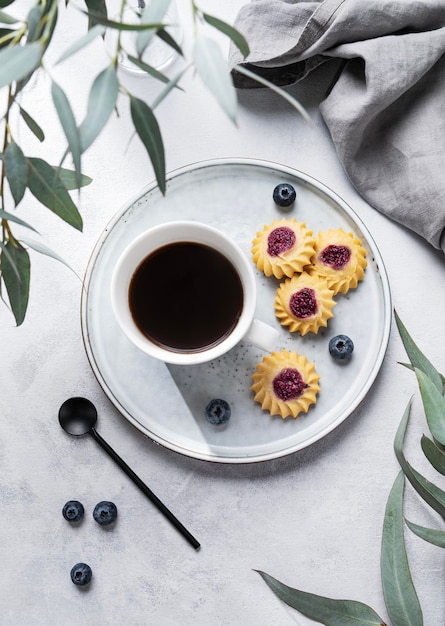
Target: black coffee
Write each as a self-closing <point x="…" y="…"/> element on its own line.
<point x="186" y="297"/>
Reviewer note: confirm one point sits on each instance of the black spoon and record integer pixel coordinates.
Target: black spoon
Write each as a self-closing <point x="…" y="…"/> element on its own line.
<point x="78" y="416"/>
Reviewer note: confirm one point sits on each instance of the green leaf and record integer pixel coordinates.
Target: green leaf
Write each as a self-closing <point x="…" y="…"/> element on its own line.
<point x="46" y="185"/>
<point x="324" y="610"/>
<point x="432" y="495"/>
<point x="16" y="171"/>
<point x="281" y="92"/>
<point x="417" y="358"/>
<point x="10" y="217"/>
<point x="434" y="406"/>
<point x="101" y="102"/>
<point x="17" y="62"/>
<point x="32" y="124"/>
<point x="68" y="177"/>
<point x="212" y="68"/>
<point x="97" y="7"/>
<point x="169" y="86"/>
<point x="434" y="455"/>
<point x="436" y="537"/>
<point x="148" y="130"/>
<point x="66" y="117"/>
<point x="233" y="34"/>
<point x="34" y="23"/>
<point x="7" y="253"/>
<point x="43" y="249"/>
<point x="165" y="36"/>
<point x="399" y="592"/>
<point x="5" y="18"/>
<point x="154" y="12"/>
<point x="123" y="25"/>
<point x="94" y="32"/>
<point x="148" y="69"/>
<point x="16" y="272"/>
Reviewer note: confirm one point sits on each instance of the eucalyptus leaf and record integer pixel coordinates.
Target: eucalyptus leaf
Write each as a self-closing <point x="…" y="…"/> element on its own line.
<point x="148" y="130"/>
<point x="98" y="19"/>
<point x="281" y="92"/>
<point x="153" y="12"/>
<point x="32" y="124"/>
<point x="231" y="32"/>
<point x="165" y="36"/>
<point x="16" y="171"/>
<point x="41" y="33"/>
<point x="10" y="217"/>
<point x="43" y="249"/>
<point x="212" y="68"/>
<point x="148" y="69"/>
<point x="69" y="179"/>
<point x="436" y="537"/>
<point x="434" y="406"/>
<point x="6" y="253"/>
<point x="5" y="18"/>
<point x="168" y="87"/>
<point x="324" y="610"/>
<point x="47" y="186"/>
<point x="432" y="495"/>
<point x="68" y="122"/>
<point x="16" y="273"/>
<point x="34" y="25"/>
<point x="17" y="62"/>
<point x="417" y="358"/>
<point x="434" y="455"/>
<point x="101" y="102"/>
<point x="399" y="592"/>
<point x="95" y="31"/>
<point x="97" y="7"/>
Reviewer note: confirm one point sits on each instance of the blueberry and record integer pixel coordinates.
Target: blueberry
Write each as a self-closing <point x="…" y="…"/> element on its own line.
<point x="81" y="574"/>
<point x="73" y="511"/>
<point x="105" y="513"/>
<point x="284" y="195"/>
<point x="341" y="347"/>
<point x="218" y="412"/>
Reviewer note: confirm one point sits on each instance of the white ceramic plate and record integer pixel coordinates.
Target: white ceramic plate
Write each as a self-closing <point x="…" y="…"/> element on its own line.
<point x="167" y="403"/>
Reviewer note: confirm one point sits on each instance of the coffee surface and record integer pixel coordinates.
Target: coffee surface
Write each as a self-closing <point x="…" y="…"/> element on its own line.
<point x="186" y="297"/>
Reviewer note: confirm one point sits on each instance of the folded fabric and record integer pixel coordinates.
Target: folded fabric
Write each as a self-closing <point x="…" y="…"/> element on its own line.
<point x="386" y="109"/>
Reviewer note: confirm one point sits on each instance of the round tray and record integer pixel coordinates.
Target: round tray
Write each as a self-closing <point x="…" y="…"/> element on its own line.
<point x="167" y="403"/>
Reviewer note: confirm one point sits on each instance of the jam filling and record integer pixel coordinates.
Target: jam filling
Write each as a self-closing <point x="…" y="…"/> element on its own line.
<point x="336" y="257"/>
<point x="280" y="240"/>
<point x="288" y="384"/>
<point x="303" y="303"/>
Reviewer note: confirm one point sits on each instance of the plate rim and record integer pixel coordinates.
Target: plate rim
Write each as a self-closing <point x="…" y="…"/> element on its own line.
<point x="245" y="459"/>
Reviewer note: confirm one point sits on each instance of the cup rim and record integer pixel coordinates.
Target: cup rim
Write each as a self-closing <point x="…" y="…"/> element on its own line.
<point x="133" y="255"/>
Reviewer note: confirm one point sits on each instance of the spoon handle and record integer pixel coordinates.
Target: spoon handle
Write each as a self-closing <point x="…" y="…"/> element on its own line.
<point x="143" y="487"/>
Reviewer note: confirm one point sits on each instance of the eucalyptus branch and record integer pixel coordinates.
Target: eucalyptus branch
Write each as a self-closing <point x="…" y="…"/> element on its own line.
<point x="400" y="595"/>
<point x="22" y="53"/>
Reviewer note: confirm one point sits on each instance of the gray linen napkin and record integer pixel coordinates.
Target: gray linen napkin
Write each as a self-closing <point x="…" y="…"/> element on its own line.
<point x="386" y="109"/>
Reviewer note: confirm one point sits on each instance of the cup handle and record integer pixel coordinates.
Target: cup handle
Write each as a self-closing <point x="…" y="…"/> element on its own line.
<point x="262" y="335"/>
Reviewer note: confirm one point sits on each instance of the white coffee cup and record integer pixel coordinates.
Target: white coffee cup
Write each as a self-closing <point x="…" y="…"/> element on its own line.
<point x="156" y="239"/>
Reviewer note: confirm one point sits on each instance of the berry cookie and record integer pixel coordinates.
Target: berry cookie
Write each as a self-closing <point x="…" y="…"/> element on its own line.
<point x="304" y="303"/>
<point x="283" y="248"/>
<point x="285" y="384"/>
<point x="340" y="258"/>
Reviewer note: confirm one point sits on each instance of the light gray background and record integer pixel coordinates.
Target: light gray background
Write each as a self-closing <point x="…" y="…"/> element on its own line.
<point x="312" y="519"/>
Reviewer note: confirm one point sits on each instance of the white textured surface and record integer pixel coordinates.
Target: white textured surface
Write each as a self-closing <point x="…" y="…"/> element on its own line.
<point x="312" y="519"/>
